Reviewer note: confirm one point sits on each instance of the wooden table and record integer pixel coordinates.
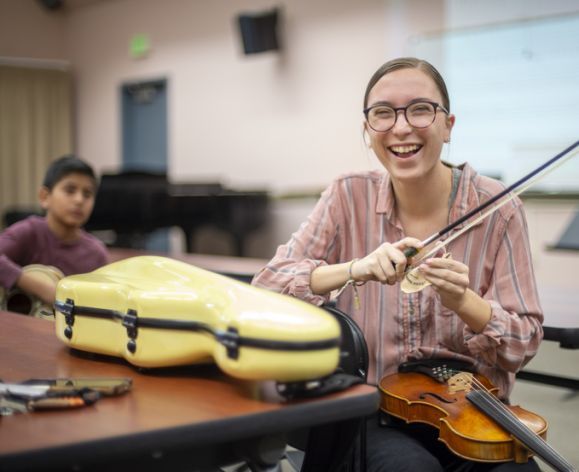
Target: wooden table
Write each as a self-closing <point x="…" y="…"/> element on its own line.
<point x="190" y="418"/>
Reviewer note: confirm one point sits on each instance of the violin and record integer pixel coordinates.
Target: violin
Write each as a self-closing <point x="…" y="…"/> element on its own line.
<point x="471" y="419"/>
<point x="18" y="301"/>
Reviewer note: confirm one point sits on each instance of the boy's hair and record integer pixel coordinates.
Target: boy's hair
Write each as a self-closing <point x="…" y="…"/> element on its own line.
<point x="64" y="166"/>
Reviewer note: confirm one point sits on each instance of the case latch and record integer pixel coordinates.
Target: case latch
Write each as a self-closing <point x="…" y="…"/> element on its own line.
<point x="230" y="340"/>
<point x="130" y="321"/>
<point x="67" y="309"/>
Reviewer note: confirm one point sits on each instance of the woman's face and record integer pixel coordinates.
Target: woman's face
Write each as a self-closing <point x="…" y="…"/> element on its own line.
<point x="406" y="152"/>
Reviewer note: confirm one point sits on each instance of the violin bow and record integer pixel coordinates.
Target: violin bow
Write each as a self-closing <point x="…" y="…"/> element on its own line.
<point x="516" y="188"/>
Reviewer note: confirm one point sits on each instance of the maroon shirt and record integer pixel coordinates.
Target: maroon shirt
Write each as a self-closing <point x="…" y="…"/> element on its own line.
<point x="31" y="241"/>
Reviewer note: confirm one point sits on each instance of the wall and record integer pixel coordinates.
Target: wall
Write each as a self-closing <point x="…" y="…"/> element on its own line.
<point x="473" y="13"/>
<point x="30" y="31"/>
<point x="233" y="117"/>
<point x="236" y="118"/>
<point x="239" y="119"/>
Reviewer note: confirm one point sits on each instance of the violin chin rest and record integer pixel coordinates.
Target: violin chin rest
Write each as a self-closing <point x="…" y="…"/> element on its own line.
<point x="432" y="367"/>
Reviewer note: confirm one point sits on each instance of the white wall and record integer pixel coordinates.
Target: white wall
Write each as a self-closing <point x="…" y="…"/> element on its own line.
<point x="298" y="110"/>
<point x="29" y="31"/>
<point x="285" y="121"/>
<point x="472" y="13"/>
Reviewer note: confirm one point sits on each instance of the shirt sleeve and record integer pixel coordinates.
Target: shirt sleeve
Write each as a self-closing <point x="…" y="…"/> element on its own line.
<point x="512" y="336"/>
<point x="315" y="244"/>
<point x="13" y="240"/>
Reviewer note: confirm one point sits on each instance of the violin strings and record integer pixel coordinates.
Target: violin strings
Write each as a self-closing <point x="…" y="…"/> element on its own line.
<point x="555" y="459"/>
<point x="483" y="399"/>
<point x="534" y="177"/>
<point x="501" y="407"/>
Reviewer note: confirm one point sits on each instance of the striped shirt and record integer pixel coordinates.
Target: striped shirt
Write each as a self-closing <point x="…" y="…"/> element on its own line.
<point x="357" y="213"/>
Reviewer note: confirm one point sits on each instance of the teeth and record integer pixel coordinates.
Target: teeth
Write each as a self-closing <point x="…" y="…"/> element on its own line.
<point x="405" y="149"/>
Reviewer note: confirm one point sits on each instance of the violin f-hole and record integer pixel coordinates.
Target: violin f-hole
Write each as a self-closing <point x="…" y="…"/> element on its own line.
<point x="438" y="397"/>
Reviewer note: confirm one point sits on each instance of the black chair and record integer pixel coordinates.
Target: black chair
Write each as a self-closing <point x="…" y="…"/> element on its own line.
<point x="336" y="447"/>
<point x="569" y="240"/>
<point x="15" y="214"/>
<point x="353" y="351"/>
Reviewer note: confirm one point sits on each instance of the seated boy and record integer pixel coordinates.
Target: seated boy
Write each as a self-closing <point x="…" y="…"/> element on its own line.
<point x="57" y="239"/>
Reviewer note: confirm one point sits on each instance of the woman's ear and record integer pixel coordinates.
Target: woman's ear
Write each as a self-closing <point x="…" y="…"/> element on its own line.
<point x="450" y="119"/>
<point x="366" y="136"/>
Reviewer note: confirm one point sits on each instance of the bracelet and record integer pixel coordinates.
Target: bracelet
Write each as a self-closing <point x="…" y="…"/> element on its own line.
<point x="350" y="277"/>
<point x="353" y="283"/>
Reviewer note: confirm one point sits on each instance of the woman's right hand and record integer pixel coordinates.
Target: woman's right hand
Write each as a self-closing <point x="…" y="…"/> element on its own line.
<point x="386" y="264"/>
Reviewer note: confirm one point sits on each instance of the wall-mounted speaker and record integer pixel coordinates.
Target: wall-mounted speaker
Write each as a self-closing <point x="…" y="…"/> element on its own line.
<point x="259" y="31"/>
<point x="51" y="5"/>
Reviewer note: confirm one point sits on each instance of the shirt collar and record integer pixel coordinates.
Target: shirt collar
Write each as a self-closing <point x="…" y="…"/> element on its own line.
<point x="466" y="198"/>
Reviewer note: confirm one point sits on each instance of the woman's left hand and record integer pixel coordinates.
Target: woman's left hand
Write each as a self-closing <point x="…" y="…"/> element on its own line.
<point x="449" y="278"/>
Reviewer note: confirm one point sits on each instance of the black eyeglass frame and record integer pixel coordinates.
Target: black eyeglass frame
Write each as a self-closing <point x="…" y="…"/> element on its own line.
<point x="435" y="105"/>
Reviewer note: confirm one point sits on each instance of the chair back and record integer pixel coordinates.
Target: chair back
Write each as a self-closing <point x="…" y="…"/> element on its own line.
<point x="342" y="443"/>
<point x="353" y="348"/>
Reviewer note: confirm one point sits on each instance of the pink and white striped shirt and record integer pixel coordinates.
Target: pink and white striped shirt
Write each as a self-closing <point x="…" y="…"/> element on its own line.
<point x="357" y="213"/>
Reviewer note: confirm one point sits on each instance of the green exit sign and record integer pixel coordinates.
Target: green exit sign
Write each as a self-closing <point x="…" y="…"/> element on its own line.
<point x="139" y="46"/>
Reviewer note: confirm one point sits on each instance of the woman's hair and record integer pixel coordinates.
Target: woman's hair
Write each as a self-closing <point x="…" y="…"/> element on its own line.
<point x="409" y="63"/>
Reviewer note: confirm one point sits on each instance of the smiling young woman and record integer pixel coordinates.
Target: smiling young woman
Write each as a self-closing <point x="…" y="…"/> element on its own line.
<point x="481" y="306"/>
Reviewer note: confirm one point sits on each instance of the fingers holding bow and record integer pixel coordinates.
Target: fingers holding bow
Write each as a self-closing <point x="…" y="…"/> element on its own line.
<point x="386" y="264"/>
<point x="448" y="277"/>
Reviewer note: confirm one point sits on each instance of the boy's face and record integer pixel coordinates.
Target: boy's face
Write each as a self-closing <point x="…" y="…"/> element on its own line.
<point x="71" y="200"/>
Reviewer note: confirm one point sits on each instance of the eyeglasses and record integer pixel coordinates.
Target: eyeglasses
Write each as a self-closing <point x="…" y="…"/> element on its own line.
<point x="419" y="114"/>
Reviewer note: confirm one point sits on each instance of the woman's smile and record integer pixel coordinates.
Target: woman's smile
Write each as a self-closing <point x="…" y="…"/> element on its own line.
<point x="404" y="151"/>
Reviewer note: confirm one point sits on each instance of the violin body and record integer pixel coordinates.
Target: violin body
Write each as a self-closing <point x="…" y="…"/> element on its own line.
<point x="468" y="432"/>
<point x="18" y="301"/>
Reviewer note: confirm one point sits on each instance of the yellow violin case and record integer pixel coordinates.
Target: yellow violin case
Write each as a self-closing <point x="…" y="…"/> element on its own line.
<point x="158" y="312"/>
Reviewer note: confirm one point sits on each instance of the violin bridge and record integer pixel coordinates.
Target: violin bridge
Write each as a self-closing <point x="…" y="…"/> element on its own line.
<point x="461" y="382"/>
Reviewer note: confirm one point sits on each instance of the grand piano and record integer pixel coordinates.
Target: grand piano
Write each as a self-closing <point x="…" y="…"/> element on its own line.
<point x="135" y="203"/>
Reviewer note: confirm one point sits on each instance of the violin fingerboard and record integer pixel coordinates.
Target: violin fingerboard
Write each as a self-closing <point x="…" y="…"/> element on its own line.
<point x="501" y="414"/>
